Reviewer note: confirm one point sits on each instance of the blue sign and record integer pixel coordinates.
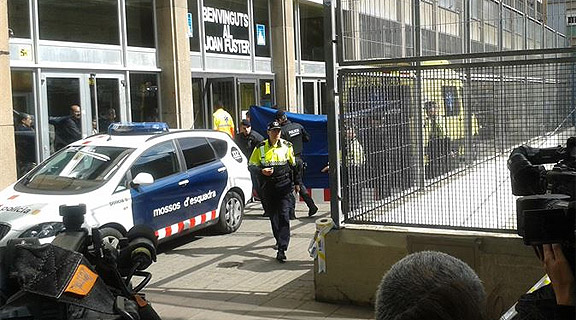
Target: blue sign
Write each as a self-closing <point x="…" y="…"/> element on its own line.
<point x="260" y="35"/>
<point x="190" y="25"/>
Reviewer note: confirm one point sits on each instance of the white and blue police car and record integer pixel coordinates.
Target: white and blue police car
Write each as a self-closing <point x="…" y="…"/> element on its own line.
<point x="172" y="181"/>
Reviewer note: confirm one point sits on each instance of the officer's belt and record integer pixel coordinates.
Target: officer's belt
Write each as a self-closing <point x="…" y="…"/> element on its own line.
<point x="280" y="177"/>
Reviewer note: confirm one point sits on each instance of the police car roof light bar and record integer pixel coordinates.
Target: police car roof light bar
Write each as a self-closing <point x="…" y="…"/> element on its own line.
<point x="135" y="128"/>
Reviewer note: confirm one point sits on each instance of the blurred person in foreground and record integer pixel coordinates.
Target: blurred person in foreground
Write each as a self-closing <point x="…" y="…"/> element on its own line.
<point x="433" y="286"/>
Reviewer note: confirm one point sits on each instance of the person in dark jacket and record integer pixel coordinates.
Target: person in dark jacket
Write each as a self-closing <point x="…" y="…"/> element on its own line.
<point x="297" y="135"/>
<point x="25" y="144"/>
<point x="68" y="128"/>
<point x="247" y="139"/>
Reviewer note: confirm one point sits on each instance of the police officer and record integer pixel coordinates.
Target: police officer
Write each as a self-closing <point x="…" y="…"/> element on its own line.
<point x="222" y="120"/>
<point x="295" y="133"/>
<point x="273" y="160"/>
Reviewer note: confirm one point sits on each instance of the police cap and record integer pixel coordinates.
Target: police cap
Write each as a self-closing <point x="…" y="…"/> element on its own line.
<point x="274" y="125"/>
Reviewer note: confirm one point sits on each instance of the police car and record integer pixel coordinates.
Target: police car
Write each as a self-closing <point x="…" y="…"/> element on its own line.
<point x="172" y="181"/>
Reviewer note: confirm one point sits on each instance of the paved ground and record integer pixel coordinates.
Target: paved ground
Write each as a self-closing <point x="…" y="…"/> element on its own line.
<point x="237" y="277"/>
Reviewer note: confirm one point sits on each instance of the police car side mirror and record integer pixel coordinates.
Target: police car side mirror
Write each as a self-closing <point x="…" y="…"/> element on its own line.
<point x="143" y="178"/>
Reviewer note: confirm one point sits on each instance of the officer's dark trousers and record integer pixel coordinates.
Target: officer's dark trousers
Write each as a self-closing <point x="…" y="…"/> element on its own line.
<point x="303" y="191"/>
<point x="278" y="205"/>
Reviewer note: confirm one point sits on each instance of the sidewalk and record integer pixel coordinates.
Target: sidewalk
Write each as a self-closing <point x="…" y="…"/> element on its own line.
<point x="237" y="277"/>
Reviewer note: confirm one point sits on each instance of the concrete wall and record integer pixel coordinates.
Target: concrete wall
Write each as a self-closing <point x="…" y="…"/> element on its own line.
<point x="283" y="63"/>
<point x="174" y="60"/>
<point x="357" y="258"/>
<point x="7" y="156"/>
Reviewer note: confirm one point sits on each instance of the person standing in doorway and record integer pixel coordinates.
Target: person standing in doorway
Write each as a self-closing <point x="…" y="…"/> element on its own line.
<point x="68" y="128"/>
<point x="222" y="120"/>
<point x="295" y="133"/>
<point x="273" y="161"/>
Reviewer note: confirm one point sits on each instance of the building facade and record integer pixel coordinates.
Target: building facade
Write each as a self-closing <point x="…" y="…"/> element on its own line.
<point x="174" y="60"/>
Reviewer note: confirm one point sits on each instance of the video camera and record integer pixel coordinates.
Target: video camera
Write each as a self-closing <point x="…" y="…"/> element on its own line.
<point x="78" y="275"/>
<point x="546" y="211"/>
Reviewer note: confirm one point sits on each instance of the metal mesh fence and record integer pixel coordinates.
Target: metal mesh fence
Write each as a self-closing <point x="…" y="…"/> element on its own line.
<point x="428" y="145"/>
<point x="380" y="29"/>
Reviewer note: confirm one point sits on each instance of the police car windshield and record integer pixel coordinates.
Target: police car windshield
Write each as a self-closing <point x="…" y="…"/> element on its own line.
<point x="78" y="169"/>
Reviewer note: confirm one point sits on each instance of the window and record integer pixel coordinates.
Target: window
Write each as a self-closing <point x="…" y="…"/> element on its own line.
<point x="19" y="18"/>
<point x="312" y="32"/>
<point x="198" y="104"/>
<point x="79" y="21"/>
<point x="220" y="146"/>
<point x="261" y="28"/>
<point x="24" y="126"/>
<point x="451" y="101"/>
<point x="193" y="28"/>
<point x="196" y="151"/>
<point x="144" y="97"/>
<point x="160" y="161"/>
<point x="140" y="23"/>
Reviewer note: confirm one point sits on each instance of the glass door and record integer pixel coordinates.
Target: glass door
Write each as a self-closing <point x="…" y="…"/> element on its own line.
<point x="107" y="96"/>
<point x="246" y="96"/>
<point x="223" y="92"/>
<point x="76" y="105"/>
<point x="312" y="96"/>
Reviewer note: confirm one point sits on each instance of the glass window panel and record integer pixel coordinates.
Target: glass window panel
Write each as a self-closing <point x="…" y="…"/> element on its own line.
<point x="267" y="93"/>
<point x="144" y="97"/>
<point x="65" y="125"/>
<point x="193" y="32"/>
<point x="19" y="18"/>
<point x="220" y="146"/>
<point x="196" y="151"/>
<point x="198" y="105"/>
<point x="108" y="102"/>
<point x="160" y="161"/>
<point x="79" y="21"/>
<point x="24" y="120"/>
<point x="261" y="28"/>
<point x="140" y="23"/>
<point x="312" y="32"/>
<point x="308" y="97"/>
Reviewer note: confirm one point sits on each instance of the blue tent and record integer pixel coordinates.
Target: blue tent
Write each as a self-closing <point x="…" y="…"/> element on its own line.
<point x="315" y="152"/>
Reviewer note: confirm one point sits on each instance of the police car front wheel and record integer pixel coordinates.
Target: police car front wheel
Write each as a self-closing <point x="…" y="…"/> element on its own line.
<point x="231" y="213"/>
<point x="111" y="236"/>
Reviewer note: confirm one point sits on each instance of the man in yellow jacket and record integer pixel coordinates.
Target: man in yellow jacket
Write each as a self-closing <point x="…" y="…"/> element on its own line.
<point x="223" y="121"/>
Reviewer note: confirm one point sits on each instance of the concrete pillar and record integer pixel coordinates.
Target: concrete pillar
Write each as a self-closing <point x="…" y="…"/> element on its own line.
<point x="284" y="59"/>
<point x="8" y="155"/>
<point x="174" y="60"/>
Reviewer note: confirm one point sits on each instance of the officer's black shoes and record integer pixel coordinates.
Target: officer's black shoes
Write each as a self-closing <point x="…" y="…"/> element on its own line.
<point x="281" y="256"/>
<point x="292" y="217"/>
<point x="312" y="211"/>
<point x="275" y="246"/>
<point x="265" y="214"/>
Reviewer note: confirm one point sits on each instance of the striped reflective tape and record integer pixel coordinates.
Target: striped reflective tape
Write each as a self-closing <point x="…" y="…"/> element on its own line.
<point x="319" y="195"/>
<point x="185" y="225"/>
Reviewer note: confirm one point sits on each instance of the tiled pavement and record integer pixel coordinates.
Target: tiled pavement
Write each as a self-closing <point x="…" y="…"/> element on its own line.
<point x="237" y="277"/>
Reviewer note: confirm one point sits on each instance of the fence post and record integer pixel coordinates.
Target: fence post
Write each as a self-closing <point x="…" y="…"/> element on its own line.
<point x="331" y="40"/>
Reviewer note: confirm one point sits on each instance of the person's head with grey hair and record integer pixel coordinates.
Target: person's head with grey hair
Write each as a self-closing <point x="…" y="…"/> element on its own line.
<point x="430" y="285"/>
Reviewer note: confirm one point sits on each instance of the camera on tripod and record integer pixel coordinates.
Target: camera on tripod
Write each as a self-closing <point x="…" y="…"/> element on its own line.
<point x="546" y="211"/>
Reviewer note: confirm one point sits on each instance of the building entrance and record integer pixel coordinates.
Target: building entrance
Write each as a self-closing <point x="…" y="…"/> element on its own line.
<point x="236" y="95"/>
<point x="99" y="96"/>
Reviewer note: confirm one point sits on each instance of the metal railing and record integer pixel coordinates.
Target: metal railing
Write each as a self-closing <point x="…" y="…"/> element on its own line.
<point x="425" y="142"/>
